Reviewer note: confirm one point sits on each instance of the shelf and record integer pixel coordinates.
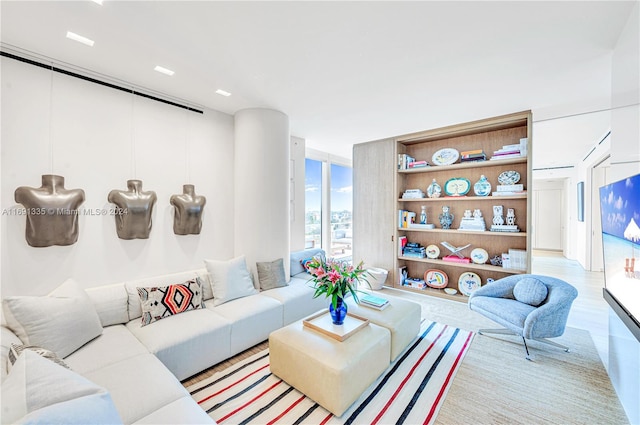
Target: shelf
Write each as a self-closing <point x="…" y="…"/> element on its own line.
<point x="473" y="266"/>
<point x="436" y="293"/>
<point x="465" y="165"/>
<point x="465" y="232"/>
<point x="463" y="198"/>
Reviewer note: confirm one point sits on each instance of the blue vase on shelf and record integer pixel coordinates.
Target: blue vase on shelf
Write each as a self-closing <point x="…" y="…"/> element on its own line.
<point x="339" y="313"/>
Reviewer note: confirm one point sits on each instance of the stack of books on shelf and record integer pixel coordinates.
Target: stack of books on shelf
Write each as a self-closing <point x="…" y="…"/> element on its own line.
<point x="415" y="282"/>
<point x="407" y="162"/>
<point x="413" y="194"/>
<point x="372" y="301"/>
<point x="414" y="250"/>
<point x="402" y="242"/>
<point x="518" y="150"/>
<point x="509" y="190"/>
<point x="473" y="155"/>
<point x="406" y="218"/>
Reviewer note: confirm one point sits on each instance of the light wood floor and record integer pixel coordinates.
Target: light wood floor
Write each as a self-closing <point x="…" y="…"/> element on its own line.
<point x="589" y="311"/>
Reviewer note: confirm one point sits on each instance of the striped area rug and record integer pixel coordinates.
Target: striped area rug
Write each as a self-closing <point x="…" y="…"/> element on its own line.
<point x="410" y="391"/>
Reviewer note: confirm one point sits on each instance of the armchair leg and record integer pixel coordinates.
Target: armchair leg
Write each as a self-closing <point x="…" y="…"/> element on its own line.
<point x="503" y="331"/>
<point x="555" y="344"/>
<point x="528" y="357"/>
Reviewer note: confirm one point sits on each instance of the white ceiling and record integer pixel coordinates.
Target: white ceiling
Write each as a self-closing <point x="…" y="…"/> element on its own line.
<point x="350" y="72"/>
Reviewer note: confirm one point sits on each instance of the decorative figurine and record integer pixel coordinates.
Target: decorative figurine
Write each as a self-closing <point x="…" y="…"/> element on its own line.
<point x="498" y="220"/>
<point x="187" y="218"/>
<point x="52" y="212"/>
<point x="133" y="217"/>
<point x="434" y="190"/>
<point x="423" y="214"/>
<point x="446" y="218"/>
<point x="473" y="223"/>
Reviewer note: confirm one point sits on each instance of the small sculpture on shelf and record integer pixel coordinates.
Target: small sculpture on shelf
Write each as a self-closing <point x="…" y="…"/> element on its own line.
<point x="499" y="222"/>
<point x="434" y="190"/>
<point x="446" y="218"/>
<point x="423" y="214"/>
<point x="473" y="223"/>
<point x="511" y="217"/>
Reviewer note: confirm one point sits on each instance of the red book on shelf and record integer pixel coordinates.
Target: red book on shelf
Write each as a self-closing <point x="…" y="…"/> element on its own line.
<point x="456" y="259"/>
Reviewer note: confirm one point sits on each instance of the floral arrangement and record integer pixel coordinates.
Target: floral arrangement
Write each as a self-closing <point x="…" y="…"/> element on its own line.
<point x="335" y="279"/>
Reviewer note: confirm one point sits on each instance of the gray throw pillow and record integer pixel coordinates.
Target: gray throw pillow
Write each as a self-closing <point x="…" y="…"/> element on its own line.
<point x="271" y="274"/>
<point x="530" y="291"/>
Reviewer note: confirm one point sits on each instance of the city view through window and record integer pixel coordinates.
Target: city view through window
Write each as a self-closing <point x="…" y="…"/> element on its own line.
<point x="339" y="220"/>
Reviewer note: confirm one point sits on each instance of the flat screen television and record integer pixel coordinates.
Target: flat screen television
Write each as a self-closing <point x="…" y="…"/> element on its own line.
<point x="620" y="212"/>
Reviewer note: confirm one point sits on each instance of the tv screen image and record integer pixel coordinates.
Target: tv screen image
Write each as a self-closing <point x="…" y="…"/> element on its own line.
<point x="620" y="209"/>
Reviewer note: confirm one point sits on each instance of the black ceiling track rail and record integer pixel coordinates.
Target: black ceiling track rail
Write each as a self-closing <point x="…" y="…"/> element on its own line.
<point x="96" y="81"/>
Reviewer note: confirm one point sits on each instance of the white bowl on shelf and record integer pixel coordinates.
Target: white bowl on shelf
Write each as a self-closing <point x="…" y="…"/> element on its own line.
<point x="450" y="291"/>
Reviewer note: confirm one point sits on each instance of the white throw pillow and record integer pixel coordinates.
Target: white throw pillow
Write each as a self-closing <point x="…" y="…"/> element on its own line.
<point x="62" y="322"/>
<point x="229" y="279"/>
<point x="38" y="391"/>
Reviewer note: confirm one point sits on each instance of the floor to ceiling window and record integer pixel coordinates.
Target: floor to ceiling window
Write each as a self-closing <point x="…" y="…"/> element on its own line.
<point x="329" y="206"/>
<point x="313" y="203"/>
<point x="341" y="202"/>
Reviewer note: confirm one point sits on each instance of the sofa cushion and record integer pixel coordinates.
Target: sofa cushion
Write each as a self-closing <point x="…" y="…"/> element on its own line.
<point x="297" y="300"/>
<point x="530" y="291"/>
<point x="61" y="322"/>
<point x="17" y="349"/>
<point x="229" y="279"/>
<point x="138" y="385"/>
<point x="165" y="301"/>
<point x="186" y="343"/>
<point x="110" y="302"/>
<point x="296" y="258"/>
<point x="115" y="344"/>
<point x="183" y="411"/>
<point x="271" y="274"/>
<point x="39" y="391"/>
<point x="252" y="319"/>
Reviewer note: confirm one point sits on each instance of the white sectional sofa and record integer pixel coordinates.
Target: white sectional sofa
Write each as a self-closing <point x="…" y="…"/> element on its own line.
<point x="141" y="366"/>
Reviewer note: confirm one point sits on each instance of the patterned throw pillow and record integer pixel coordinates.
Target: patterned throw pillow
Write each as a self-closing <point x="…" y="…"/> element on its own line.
<point x="164" y="301"/>
<point x="17" y="349"/>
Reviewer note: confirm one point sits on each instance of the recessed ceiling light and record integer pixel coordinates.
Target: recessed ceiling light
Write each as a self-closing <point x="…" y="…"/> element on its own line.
<point x="223" y="93"/>
<point x="97" y="1"/>
<point x="79" y="38"/>
<point x="164" y="70"/>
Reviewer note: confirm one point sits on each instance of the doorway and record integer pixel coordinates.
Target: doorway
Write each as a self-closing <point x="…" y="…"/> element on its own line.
<point x="599" y="174"/>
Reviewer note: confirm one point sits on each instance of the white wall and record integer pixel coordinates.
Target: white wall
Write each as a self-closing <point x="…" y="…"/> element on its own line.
<point x="624" y="349"/>
<point x="297" y="202"/>
<point x="92" y="130"/>
<point x="262" y="146"/>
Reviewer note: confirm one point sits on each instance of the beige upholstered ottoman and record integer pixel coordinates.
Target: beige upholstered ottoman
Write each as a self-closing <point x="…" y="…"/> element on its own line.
<point x="332" y="373"/>
<point x="401" y="317"/>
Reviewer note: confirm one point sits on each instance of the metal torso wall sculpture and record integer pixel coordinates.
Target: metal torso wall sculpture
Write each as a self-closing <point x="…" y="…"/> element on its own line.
<point x="187" y="219"/>
<point x="52" y="212"/>
<point x="133" y="217"/>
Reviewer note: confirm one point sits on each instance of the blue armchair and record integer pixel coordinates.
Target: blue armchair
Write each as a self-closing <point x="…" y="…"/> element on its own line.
<point x="531" y="306"/>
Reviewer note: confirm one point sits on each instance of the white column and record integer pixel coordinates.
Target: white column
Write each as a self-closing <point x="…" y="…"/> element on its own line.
<point x="261" y="176"/>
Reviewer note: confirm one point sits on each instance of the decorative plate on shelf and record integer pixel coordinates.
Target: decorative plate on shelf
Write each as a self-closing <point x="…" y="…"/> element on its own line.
<point x="457" y="186"/>
<point x="479" y="256"/>
<point x="468" y="283"/>
<point x="436" y="278"/>
<point x="445" y="156"/>
<point x="509" y="177"/>
<point x="433" y="251"/>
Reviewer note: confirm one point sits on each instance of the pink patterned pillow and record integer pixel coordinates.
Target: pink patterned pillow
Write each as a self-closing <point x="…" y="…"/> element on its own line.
<point x="164" y="301"/>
